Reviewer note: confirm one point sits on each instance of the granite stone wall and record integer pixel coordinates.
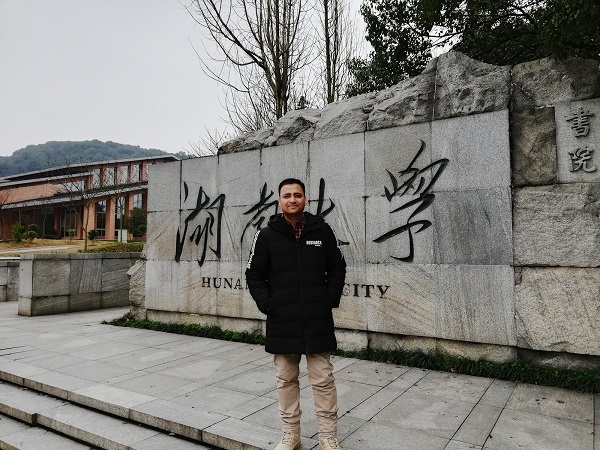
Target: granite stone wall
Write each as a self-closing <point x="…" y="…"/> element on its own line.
<point x="467" y="226"/>
<point x="61" y="282"/>
<point x="9" y="280"/>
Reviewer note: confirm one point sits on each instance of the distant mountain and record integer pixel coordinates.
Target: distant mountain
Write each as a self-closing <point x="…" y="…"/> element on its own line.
<point x="54" y="154"/>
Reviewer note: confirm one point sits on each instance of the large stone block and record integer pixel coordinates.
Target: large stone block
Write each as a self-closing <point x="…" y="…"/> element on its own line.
<point x="466" y="86"/>
<point x="557" y="309"/>
<point x="196" y="291"/>
<point x="390" y="151"/>
<point x="549" y="81"/>
<point x="239" y="225"/>
<point x="161" y="236"/>
<point x="229" y="285"/>
<point x="389" y="233"/>
<point x="51" y="275"/>
<point x="339" y="162"/>
<point x="476" y="159"/>
<point x="475" y="352"/>
<point x="403" y="300"/>
<point x="578" y="141"/>
<point x="476" y="304"/>
<point x="197" y="173"/>
<point x="85" y="302"/>
<point x="26" y="277"/>
<point x="247" y="141"/>
<point x="410" y="101"/>
<point x="42" y="306"/>
<point x="237" y="176"/>
<point x="114" y="273"/>
<point x="533" y="147"/>
<point x="162" y="285"/>
<point x="557" y="225"/>
<point x="473" y="227"/>
<point x="86" y="273"/>
<point x="278" y="163"/>
<point x="352" y="312"/>
<point x="164" y="182"/>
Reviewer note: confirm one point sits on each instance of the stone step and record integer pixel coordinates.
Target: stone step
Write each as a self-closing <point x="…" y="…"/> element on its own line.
<point x="16" y="435"/>
<point x="97" y="429"/>
<point x="204" y="427"/>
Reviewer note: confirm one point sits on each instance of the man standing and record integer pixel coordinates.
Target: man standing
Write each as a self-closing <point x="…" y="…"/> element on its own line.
<point x="296" y="276"/>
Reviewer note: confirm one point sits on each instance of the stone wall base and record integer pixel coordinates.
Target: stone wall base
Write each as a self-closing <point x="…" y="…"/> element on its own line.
<point x="357" y="340"/>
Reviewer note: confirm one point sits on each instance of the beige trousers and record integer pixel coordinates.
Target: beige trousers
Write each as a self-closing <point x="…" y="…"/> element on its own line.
<point x="320" y="376"/>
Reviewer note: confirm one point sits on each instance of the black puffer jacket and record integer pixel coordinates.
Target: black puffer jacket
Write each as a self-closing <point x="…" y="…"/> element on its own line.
<point x="296" y="284"/>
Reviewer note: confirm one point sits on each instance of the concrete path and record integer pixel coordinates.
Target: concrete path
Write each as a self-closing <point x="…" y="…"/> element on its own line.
<point x="35" y="249"/>
<point x="222" y="394"/>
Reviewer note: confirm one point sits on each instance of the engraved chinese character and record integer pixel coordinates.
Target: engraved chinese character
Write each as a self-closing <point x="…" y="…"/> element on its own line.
<point x="424" y="199"/>
<point x="259" y="210"/>
<point x="581" y="158"/>
<point x="580" y="122"/>
<point x="211" y="225"/>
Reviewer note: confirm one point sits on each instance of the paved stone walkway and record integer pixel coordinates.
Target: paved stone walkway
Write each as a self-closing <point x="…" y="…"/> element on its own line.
<point x="225" y="391"/>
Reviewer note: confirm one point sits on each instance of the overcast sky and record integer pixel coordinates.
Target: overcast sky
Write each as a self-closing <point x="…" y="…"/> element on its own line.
<point x="118" y="70"/>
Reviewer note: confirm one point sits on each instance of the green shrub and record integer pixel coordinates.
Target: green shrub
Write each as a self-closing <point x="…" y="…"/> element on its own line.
<point x="119" y="247"/>
<point x="92" y="235"/>
<point x="30" y="235"/>
<point x="17" y="231"/>
<point x="33" y="227"/>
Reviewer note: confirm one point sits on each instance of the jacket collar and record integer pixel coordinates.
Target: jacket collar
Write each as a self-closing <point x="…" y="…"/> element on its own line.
<point x="278" y="222"/>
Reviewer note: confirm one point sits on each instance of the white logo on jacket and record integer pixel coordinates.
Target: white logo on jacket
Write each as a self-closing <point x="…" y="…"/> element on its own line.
<point x="315" y="243"/>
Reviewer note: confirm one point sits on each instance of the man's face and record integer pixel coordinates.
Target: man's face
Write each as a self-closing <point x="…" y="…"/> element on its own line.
<point x="292" y="199"/>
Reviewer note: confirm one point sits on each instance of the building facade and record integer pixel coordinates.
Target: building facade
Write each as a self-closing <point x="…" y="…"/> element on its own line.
<point x="66" y="201"/>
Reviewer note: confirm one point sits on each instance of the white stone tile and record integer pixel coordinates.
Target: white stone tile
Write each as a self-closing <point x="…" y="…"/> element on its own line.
<point x="473" y="227"/>
<point x="393" y="150"/>
<point x="196" y="291"/>
<point x="161" y="284"/>
<point x="164" y="182"/>
<point x="339" y="161"/>
<point x="567" y="141"/>
<point x="283" y="161"/>
<point x="557" y="309"/>
<point x="352" y="313"/>
<point x="199" y="173"/>
<point x="239" y="177"/>
<point x="478" y="150"/>
<point x="477" y="305"/>
<point x="404" y="300"/>
<point x="161" y="237"/>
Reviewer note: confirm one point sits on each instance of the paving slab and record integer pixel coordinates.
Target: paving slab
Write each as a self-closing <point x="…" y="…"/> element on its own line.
<point x="478" y="425"/>
<point x="428" y="414"/>
<point x="520" y="429"/>
<point x="369" y="372"/>
<point x="559" y="403"/>
<point x="384" y="437"/>
<point x="498" y="393"/>
<point x="452" y="387"/>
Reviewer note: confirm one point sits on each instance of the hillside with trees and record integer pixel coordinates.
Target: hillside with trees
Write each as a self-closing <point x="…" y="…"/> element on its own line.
<point x="60" y="153"/>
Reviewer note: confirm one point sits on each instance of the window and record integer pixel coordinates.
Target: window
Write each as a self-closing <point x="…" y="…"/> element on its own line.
<point x="96" y="179"/>
<point x="101" y="218"/>
<point x="68" y="221"/>
<point x="123" y="174"/>
<point x="110" y="176"/>
<point x="138" y="201"/>
<point x="135" y="173"/>
<point x="119" y="215"/>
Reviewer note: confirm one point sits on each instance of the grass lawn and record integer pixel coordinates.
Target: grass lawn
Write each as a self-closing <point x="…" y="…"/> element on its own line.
<point x="67" y="246"/>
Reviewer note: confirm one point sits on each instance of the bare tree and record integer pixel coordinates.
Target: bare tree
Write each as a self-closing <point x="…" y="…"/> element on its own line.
<point x="336" y="45"/>
<point x="261" y="47"/>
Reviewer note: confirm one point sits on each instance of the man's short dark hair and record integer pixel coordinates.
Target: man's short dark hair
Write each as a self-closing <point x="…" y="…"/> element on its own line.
<point x="292" y="181"/>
